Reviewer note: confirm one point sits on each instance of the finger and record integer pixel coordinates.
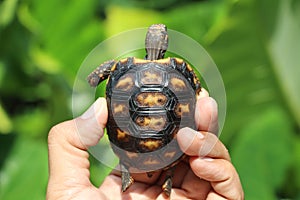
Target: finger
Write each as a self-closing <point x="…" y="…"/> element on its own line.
<point x="206" y="114"/>
<point x="68" y="142"/>
<point x="222" y="175"/>
<point x="195" y="187"/>
<point x="214" y="196"/>
<point x="179" y="171"/>
<point x="201" y="144"/>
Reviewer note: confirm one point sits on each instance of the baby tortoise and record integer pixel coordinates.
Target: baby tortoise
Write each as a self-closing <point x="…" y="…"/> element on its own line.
<point x="149" y="100"/>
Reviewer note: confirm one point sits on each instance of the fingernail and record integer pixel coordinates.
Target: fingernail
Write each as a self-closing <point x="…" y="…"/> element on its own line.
<point x="207" y="114"/>
<point x="89" y="125"/>
<point x="93" y="110"/>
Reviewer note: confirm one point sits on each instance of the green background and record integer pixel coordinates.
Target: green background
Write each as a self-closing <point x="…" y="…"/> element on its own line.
<point x="255" y="44"/>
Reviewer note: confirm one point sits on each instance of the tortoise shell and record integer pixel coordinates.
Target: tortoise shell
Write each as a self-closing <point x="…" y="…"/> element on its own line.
<point x="148" y="102"/>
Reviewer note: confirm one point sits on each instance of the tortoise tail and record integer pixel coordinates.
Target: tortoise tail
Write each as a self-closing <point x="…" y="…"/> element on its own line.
<point x="100" y="73"/>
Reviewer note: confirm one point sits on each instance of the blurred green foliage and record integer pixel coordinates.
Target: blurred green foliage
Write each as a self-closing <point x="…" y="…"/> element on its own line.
<point x="254" y="43"/>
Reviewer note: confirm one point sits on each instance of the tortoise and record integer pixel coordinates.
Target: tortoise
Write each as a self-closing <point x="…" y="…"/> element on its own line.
<point x="148" y="100"/>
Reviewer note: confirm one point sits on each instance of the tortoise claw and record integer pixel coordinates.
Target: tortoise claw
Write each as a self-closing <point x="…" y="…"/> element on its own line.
<point x="167" y="186"/>
<point x="126" y="178"/>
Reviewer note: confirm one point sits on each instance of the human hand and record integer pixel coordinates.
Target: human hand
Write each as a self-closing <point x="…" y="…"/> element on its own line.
<point x="207" y="173"/>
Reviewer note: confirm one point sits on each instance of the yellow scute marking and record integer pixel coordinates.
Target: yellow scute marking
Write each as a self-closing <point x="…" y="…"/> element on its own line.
<point x="131" y="154"/>
<point x="151" y="77"/>
<point x="162" y="61"/>
<point x="170" y="154"/>
<point x="178" y="84"/>
<point x="151" y="161"/>
<point x="182" y="109"/>
<point x="151" y="144"/>
<point x="121" y="134"/>
<point x="152" y="99"/>
<point x="119" y="108"/>
<point x="125" y="83"/>
<point x="189" y="68"/>
<point x="153" y="123"/>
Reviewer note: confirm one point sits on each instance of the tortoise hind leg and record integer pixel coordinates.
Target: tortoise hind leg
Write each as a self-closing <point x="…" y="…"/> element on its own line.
<point x="167" y="186"/>
<point x="126" y="178"/>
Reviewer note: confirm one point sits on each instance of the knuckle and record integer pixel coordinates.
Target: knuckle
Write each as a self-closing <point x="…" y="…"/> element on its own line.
<point x="57" y="131"/>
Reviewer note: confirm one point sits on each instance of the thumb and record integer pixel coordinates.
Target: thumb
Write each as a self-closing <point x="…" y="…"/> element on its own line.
<point x="90" y="124"/>
<point x="83" y="131"/>
<point x="67" y="147"/>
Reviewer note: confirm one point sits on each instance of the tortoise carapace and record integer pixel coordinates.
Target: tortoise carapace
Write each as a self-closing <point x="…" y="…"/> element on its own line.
<point x="148" y="100"/>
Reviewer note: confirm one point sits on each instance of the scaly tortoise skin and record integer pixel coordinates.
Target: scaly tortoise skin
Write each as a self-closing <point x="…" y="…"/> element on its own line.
<point x="149" y="100"/>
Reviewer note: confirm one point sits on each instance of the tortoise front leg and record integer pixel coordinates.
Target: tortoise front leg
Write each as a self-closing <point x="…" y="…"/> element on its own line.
<point x="100" y="73"/>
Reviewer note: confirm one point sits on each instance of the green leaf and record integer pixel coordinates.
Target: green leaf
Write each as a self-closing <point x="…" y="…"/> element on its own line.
<point x="208" y="19"/>
<point x="284" y="50"/>
<point x="2" y="71"/>
<point x="297" y="164"/>
<point x="262" y="153"/>
<point x="32" y="123"/>
<point x="45" y="62"/>
<point x="6" y="123"/>
<point x="241" y="54"/>
<point x="7" y="11"/>
<point x="65" y="37"/>
<point x="98" y="171"/>
<point x="26" y="18"/>
<point x="102" y="161"/>
<point x="135" y="18"/>
<point x="24" y="174"/>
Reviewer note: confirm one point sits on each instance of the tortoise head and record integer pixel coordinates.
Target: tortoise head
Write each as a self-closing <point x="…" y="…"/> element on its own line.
<point x="156" y="42"/>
